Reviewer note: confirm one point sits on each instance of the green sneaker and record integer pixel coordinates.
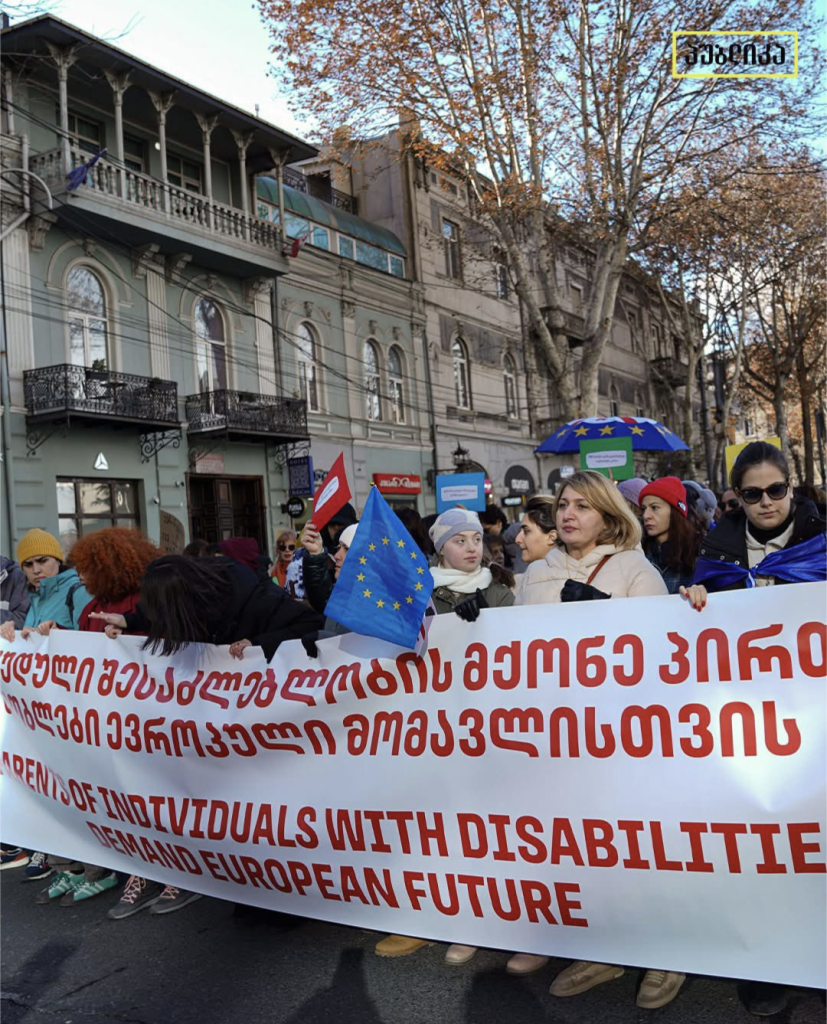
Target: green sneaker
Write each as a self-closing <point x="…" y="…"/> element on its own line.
<point x="60" y="885"/>
<point x="86" y="890"/>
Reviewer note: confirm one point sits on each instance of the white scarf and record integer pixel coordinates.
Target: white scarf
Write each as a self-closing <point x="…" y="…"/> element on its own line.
<point x="461" y="582"/>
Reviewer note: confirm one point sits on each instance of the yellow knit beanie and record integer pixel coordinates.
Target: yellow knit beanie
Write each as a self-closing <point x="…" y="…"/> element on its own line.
<point x="37" y="543"/>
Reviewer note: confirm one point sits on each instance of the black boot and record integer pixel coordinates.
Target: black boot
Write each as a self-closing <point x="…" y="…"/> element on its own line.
<point x="763" y="999"/>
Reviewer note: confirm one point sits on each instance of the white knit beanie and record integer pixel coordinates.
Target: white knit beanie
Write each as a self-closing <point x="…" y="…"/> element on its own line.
<point x="452" y="522"/>
<point x="347" y="535"/>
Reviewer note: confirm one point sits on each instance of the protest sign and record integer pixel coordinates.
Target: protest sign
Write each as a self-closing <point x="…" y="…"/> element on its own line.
<point x="732" y="451"/>
<point x="466" y="489"/>
<point x="332" y="495"/>
<point x="611" y="456"/>
<point x="647" y="790"/>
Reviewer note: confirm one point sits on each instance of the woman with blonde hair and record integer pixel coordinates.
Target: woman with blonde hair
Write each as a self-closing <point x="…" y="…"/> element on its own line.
<point x="597" y="557"/>
<point x="597" y="554"/>
<point x="286" y="544"/>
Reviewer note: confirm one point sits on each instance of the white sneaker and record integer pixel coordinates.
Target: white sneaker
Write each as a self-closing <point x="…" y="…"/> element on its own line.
<point x="458" y="955"/>
<point x="659" y="988"/>
<point x="583" y="975"/>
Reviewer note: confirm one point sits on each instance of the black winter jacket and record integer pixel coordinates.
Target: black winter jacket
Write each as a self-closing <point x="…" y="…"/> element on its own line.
<point x="252" y="610"/>
<point x="318" y="579"/>
<point x="728" y="541"/>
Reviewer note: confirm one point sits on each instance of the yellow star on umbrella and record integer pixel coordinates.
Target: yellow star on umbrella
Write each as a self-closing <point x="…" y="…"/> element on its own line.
<point x="604" y="431"/>
<point x="637" y="430"/>
<point x="581" y="431"/>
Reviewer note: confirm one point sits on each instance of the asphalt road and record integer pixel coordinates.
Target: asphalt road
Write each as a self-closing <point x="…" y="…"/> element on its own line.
<point x="212" y="963"/>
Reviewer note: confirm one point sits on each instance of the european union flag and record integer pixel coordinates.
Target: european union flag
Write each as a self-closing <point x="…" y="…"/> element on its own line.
<point x="384" y="584"/>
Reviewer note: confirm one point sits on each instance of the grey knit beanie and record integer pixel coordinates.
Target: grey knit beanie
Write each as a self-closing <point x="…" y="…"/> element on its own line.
<point x="706" y="502"/>
<point x="452" y="522"/>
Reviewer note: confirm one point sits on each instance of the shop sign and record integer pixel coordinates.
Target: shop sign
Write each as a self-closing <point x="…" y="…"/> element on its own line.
<point x="518" y="480"/>
<point x="398" y="483"/>
<point x="301" y="477"/>
<point x="295" y="507"/>
<point x="101" y="463"/>
<point x="210" y="462"/>
<point x="171" y="534"/>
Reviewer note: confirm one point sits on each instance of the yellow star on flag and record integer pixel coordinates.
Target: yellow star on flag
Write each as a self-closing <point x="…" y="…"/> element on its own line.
<point x="413" y="554"/>
<point x="637" y="430"/>
<point x="371" y="547"/>
<point x="366" y="593"/>
<point x="409" y="600"/>
<point x="363" y="560"/>
<point x="400" y="543"/>
<point x="606" y="430"/>
<point x="418" y="586"/>
<point x="581" y="431"/>
<point x="361" y="577"/>
<point x="386" y="540"/>
<point x="380" y="604"/>
<point x="396" y="606"/>
<point x="420" y="570"/>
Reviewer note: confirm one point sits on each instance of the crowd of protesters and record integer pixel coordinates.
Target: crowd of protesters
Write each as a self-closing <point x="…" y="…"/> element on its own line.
<point x="595" y="540"/>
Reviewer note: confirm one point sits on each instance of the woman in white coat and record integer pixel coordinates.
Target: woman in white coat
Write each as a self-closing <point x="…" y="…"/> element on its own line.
<point x="597" y="557"/>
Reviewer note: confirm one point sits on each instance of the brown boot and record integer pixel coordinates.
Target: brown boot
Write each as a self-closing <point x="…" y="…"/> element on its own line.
<point x="400" y="945"/>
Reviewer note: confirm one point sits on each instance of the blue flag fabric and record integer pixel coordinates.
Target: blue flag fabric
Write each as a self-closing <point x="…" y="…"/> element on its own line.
<point x="79" y="175"/>
<point x="384" y="584"/>
<point x="802" y="563"/>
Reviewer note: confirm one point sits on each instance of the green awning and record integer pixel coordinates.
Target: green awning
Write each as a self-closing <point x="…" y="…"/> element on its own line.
<point x="316" y="210"/>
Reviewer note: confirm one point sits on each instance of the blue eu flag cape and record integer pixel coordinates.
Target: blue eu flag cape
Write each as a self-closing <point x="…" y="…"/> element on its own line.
<point x="384" y="584"/>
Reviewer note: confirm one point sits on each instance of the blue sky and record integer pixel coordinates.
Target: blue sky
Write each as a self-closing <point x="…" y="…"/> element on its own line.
<point x="217" y="45"/>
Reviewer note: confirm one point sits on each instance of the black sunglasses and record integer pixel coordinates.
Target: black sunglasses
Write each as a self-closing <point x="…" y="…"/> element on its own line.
<point x="775" y="492"/>
<point x="730" y="504"/>
<point x="287" y="547"/>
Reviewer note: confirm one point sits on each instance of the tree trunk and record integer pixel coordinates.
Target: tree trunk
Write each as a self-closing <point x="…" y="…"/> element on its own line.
<point x="599" y="318"/>
<point x="805" y="390"/>
<point x="780" y="410"/>
<point x="691" y="378"/>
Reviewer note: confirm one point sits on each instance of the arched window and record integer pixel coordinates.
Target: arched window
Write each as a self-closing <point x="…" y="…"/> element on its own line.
<point x="395" y="385"/>
<point x="512" y="409"/>
<point x="614" y="401"/>
<point x="306" y="357"/>
<point x="86" y="300"/>
<point x="373" y="407"/>
<point x="461" y="380"/>
<point x="210" y="347"/>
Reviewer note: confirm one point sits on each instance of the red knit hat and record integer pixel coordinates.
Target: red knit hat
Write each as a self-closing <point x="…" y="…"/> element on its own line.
<point x="670" y="489"/>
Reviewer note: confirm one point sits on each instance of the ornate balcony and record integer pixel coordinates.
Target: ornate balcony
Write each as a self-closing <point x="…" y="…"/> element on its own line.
<point x="247" y="414"/>
<point x="57" y="395"/>
<point x="669" y="369"/>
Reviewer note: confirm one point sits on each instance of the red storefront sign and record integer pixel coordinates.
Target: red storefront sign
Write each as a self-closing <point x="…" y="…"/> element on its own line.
<point x="398" y="483"/>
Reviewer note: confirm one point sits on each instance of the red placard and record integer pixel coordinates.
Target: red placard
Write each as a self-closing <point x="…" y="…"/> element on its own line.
<point x="332" y="495"/>
<point x="398" y="483"/>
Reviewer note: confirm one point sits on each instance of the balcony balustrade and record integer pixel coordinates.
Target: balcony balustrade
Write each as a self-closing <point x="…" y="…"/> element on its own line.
<point x="246" y="413"/>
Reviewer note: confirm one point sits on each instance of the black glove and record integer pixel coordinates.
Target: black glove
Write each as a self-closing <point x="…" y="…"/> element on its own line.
<point x="469" y="609"/>
<point x="573" y="590"/>
<point x="309" y="644"/>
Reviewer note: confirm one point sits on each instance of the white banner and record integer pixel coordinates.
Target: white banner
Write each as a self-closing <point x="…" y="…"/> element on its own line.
<point x="629" y="782"/>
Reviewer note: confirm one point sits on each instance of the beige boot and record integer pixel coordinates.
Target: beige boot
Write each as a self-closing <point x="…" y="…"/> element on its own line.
<point x="457" y="955"/>
<point x="581" y="976"/>
<point x="526" y="963"/>
<point x="400" y="945"/>
<point x="659" y="988"/>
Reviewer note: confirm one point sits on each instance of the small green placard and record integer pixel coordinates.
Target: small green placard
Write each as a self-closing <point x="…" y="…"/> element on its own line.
<point x="611" y="456"/>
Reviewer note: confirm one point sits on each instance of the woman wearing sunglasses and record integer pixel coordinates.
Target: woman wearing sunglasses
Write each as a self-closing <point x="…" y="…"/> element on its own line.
<point x="774" y="539"/>
<point x="285" y="549"/>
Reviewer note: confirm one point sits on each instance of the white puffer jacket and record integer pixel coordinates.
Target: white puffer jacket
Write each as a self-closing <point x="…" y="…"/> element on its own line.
<point x="626" y="574"/>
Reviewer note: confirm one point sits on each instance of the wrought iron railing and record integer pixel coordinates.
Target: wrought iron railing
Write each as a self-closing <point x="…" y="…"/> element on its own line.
<point x="52" y="392"/>
<point x="247" y="413"/>
<point x="339" y="199"/>
<point x="670" y="368"/>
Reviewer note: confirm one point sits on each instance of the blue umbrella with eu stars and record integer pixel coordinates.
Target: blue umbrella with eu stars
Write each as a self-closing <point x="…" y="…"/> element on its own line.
<point x="647" y="435"/>
<point x="384" y="585"/>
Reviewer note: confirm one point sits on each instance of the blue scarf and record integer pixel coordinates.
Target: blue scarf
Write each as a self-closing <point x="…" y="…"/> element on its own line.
<point x="801" y="563"/>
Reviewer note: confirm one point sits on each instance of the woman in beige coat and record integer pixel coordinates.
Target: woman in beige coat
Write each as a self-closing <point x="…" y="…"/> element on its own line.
<point x="597" y="557"/>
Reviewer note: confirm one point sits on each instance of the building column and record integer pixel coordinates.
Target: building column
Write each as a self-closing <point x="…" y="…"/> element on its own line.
<point x="119" y="83"/>
<point x="207" y="124"/>
<point x="64" y="58"/>
<point x="163" y="101"/>
<point x="279" y="158"/>
<point x="243" y="140"/>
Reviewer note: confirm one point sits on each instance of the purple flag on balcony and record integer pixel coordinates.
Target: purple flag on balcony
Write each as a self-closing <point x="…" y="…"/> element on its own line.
<point x="78" y="176"/>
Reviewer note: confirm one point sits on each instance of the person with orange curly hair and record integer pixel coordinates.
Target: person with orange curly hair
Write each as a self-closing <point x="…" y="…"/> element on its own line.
<point x="112" y="563"/>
